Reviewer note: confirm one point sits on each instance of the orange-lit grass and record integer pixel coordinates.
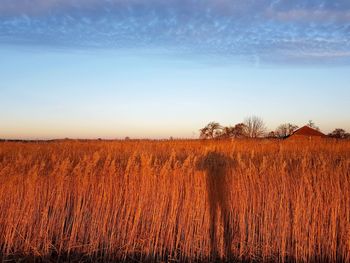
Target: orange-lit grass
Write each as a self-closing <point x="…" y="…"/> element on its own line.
<point x="151" y="200"/>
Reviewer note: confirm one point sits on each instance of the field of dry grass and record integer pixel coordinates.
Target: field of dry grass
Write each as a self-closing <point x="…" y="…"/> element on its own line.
<point x="176" y="200"/>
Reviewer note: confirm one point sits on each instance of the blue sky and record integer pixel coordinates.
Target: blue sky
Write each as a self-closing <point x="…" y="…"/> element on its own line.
<point x="154" y="69"/>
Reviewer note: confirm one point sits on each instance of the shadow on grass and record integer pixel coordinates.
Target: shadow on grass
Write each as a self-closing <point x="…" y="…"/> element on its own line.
<point x="216" y="167"/>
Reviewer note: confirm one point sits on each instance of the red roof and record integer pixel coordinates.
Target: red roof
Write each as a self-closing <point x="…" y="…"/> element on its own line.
<point x="308" y="131"/>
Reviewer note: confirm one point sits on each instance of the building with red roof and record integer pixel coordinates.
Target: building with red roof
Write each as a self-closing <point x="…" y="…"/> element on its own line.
<point x="307" y="132"/>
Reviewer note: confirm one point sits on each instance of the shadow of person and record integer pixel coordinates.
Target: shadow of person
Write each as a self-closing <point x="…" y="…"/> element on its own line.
<point x="216" y="167"/>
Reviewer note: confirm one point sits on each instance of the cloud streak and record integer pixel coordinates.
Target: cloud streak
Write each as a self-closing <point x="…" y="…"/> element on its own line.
<point x="263" y="30"/>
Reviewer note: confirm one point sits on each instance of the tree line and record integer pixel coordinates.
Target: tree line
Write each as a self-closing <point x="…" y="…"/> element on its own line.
<point x="254" y="127"/>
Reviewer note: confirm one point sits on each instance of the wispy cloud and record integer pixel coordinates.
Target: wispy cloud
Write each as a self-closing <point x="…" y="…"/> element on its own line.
<point x="262" y="30"/>
<point x="318" y="16"/>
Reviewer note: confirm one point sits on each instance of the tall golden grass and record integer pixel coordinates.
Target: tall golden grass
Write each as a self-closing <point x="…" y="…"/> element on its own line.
<point x="176" y="200"/>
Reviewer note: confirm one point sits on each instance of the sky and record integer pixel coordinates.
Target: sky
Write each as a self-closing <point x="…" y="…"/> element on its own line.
<point x="161" y="68"/>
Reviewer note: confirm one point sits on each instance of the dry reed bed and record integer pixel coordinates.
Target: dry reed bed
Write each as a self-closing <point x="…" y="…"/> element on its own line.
<point x="176" y="200"/>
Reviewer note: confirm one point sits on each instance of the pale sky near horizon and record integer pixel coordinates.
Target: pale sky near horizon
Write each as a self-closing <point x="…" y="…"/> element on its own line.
<point x="110" y="69"/>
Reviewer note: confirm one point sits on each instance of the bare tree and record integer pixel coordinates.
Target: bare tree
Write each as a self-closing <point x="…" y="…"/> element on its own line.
<point x="339" y="134"/>
<point x="238" y="130"/>
<point x="226" y="132"/>
<point x="271" y="135"/>
<point x="212" y="130"/>
<point x="254" y="127"/>
<point x="312" y="125"/>
<point x="285" y="130"/>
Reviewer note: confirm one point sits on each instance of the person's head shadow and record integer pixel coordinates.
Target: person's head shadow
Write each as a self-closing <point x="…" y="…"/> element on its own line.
<point x="218" y="169"/>
<point x="214" y="163"/>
